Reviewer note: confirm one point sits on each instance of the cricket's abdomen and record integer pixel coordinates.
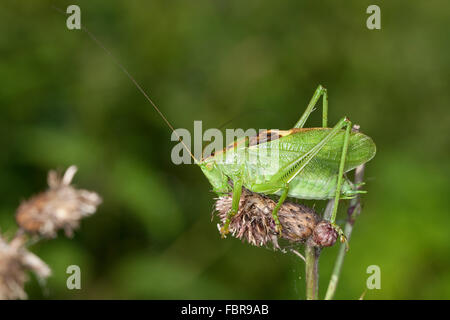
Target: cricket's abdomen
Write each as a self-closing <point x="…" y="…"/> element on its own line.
<point x="311" y="187"/>
<point x="308" y="185"/>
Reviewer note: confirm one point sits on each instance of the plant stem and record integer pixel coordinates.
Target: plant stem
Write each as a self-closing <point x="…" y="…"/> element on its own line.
<point x="354" y="211"/>
<point x="312" y="271"/>
<point x="312" y="255"/>
<point x="328" y="210"/>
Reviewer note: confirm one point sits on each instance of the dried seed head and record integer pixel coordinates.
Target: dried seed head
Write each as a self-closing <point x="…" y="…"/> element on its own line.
<point x="298" y="221"/>
<point x="251" y="223"/>
<point x="12" y="274"/>
<point x="324" y="234"/>
<point x="254" y="223"/>
<point x="15" y="261"/>
<point x="60" y="207"/>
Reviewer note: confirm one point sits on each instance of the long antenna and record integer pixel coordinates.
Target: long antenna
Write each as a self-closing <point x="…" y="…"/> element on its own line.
<point x="124" y="70"/>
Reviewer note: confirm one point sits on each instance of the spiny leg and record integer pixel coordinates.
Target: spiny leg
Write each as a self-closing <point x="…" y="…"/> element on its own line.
<point x="290" y="171"/>
<point x="283" y="197"/>
<point x="237" y="190"/>
<point x="317" y="94"/>
<point x="340" y="180"/>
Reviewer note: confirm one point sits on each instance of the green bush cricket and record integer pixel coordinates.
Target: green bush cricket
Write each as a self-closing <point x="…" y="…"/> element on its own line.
<point x="310" y="162"/>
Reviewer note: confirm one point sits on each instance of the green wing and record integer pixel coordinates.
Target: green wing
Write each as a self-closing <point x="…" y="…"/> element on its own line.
<point x="318" y="179"/>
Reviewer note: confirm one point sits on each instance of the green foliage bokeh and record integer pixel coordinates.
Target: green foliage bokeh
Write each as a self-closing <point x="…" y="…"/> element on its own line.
<point x="64" y="101"/>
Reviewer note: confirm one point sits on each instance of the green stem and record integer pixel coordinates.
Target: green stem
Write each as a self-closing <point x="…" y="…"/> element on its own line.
<point x="356" y="207"/>
<point x="312" y="271"/>
<point x="312" y="255"/>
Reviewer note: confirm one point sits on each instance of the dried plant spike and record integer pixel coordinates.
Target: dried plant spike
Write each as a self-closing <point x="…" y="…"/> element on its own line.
<point x="254" y="224"/>
<point x="60" y="207"/>
<point x="298" y="222"/>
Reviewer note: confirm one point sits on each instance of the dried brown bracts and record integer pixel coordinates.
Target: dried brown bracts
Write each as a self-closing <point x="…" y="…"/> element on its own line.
<point x="60" y="207"/>
<point x="15" y="262"/>
<point x="254" y="224"/>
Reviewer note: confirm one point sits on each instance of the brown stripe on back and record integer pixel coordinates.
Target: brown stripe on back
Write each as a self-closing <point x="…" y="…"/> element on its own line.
<point x="228" y="147"/>
<point x="267" y="136"/>
<point x="262" y="137"/>
<point x="296" y="130"/>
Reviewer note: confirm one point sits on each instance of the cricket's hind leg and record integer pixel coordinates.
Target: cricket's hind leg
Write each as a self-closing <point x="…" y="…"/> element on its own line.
<point x="320" y="91"/>
<point x="340" y="180"/>
<point x="291" y="170"/>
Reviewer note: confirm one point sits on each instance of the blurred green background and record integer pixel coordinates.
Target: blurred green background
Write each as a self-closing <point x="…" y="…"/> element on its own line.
<point x="63" y="101"/>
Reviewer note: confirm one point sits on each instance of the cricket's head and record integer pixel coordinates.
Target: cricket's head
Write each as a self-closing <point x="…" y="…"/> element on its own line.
<point x="215" y="176"/>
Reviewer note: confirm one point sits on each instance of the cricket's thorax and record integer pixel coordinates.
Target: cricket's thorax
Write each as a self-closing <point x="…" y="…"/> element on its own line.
<point x="259" y="160"/>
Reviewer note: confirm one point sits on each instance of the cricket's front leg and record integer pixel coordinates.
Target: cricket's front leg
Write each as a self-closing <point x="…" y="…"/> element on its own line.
<point x="283" y="197"/>
<point x="237" y="190"/>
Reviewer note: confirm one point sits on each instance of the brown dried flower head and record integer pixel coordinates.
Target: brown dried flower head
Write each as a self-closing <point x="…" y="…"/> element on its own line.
<point x="254" y="224"/>
<point x="324" y="234"/>
<point x="15" y="261"/>
<point x="60" y="207"/>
